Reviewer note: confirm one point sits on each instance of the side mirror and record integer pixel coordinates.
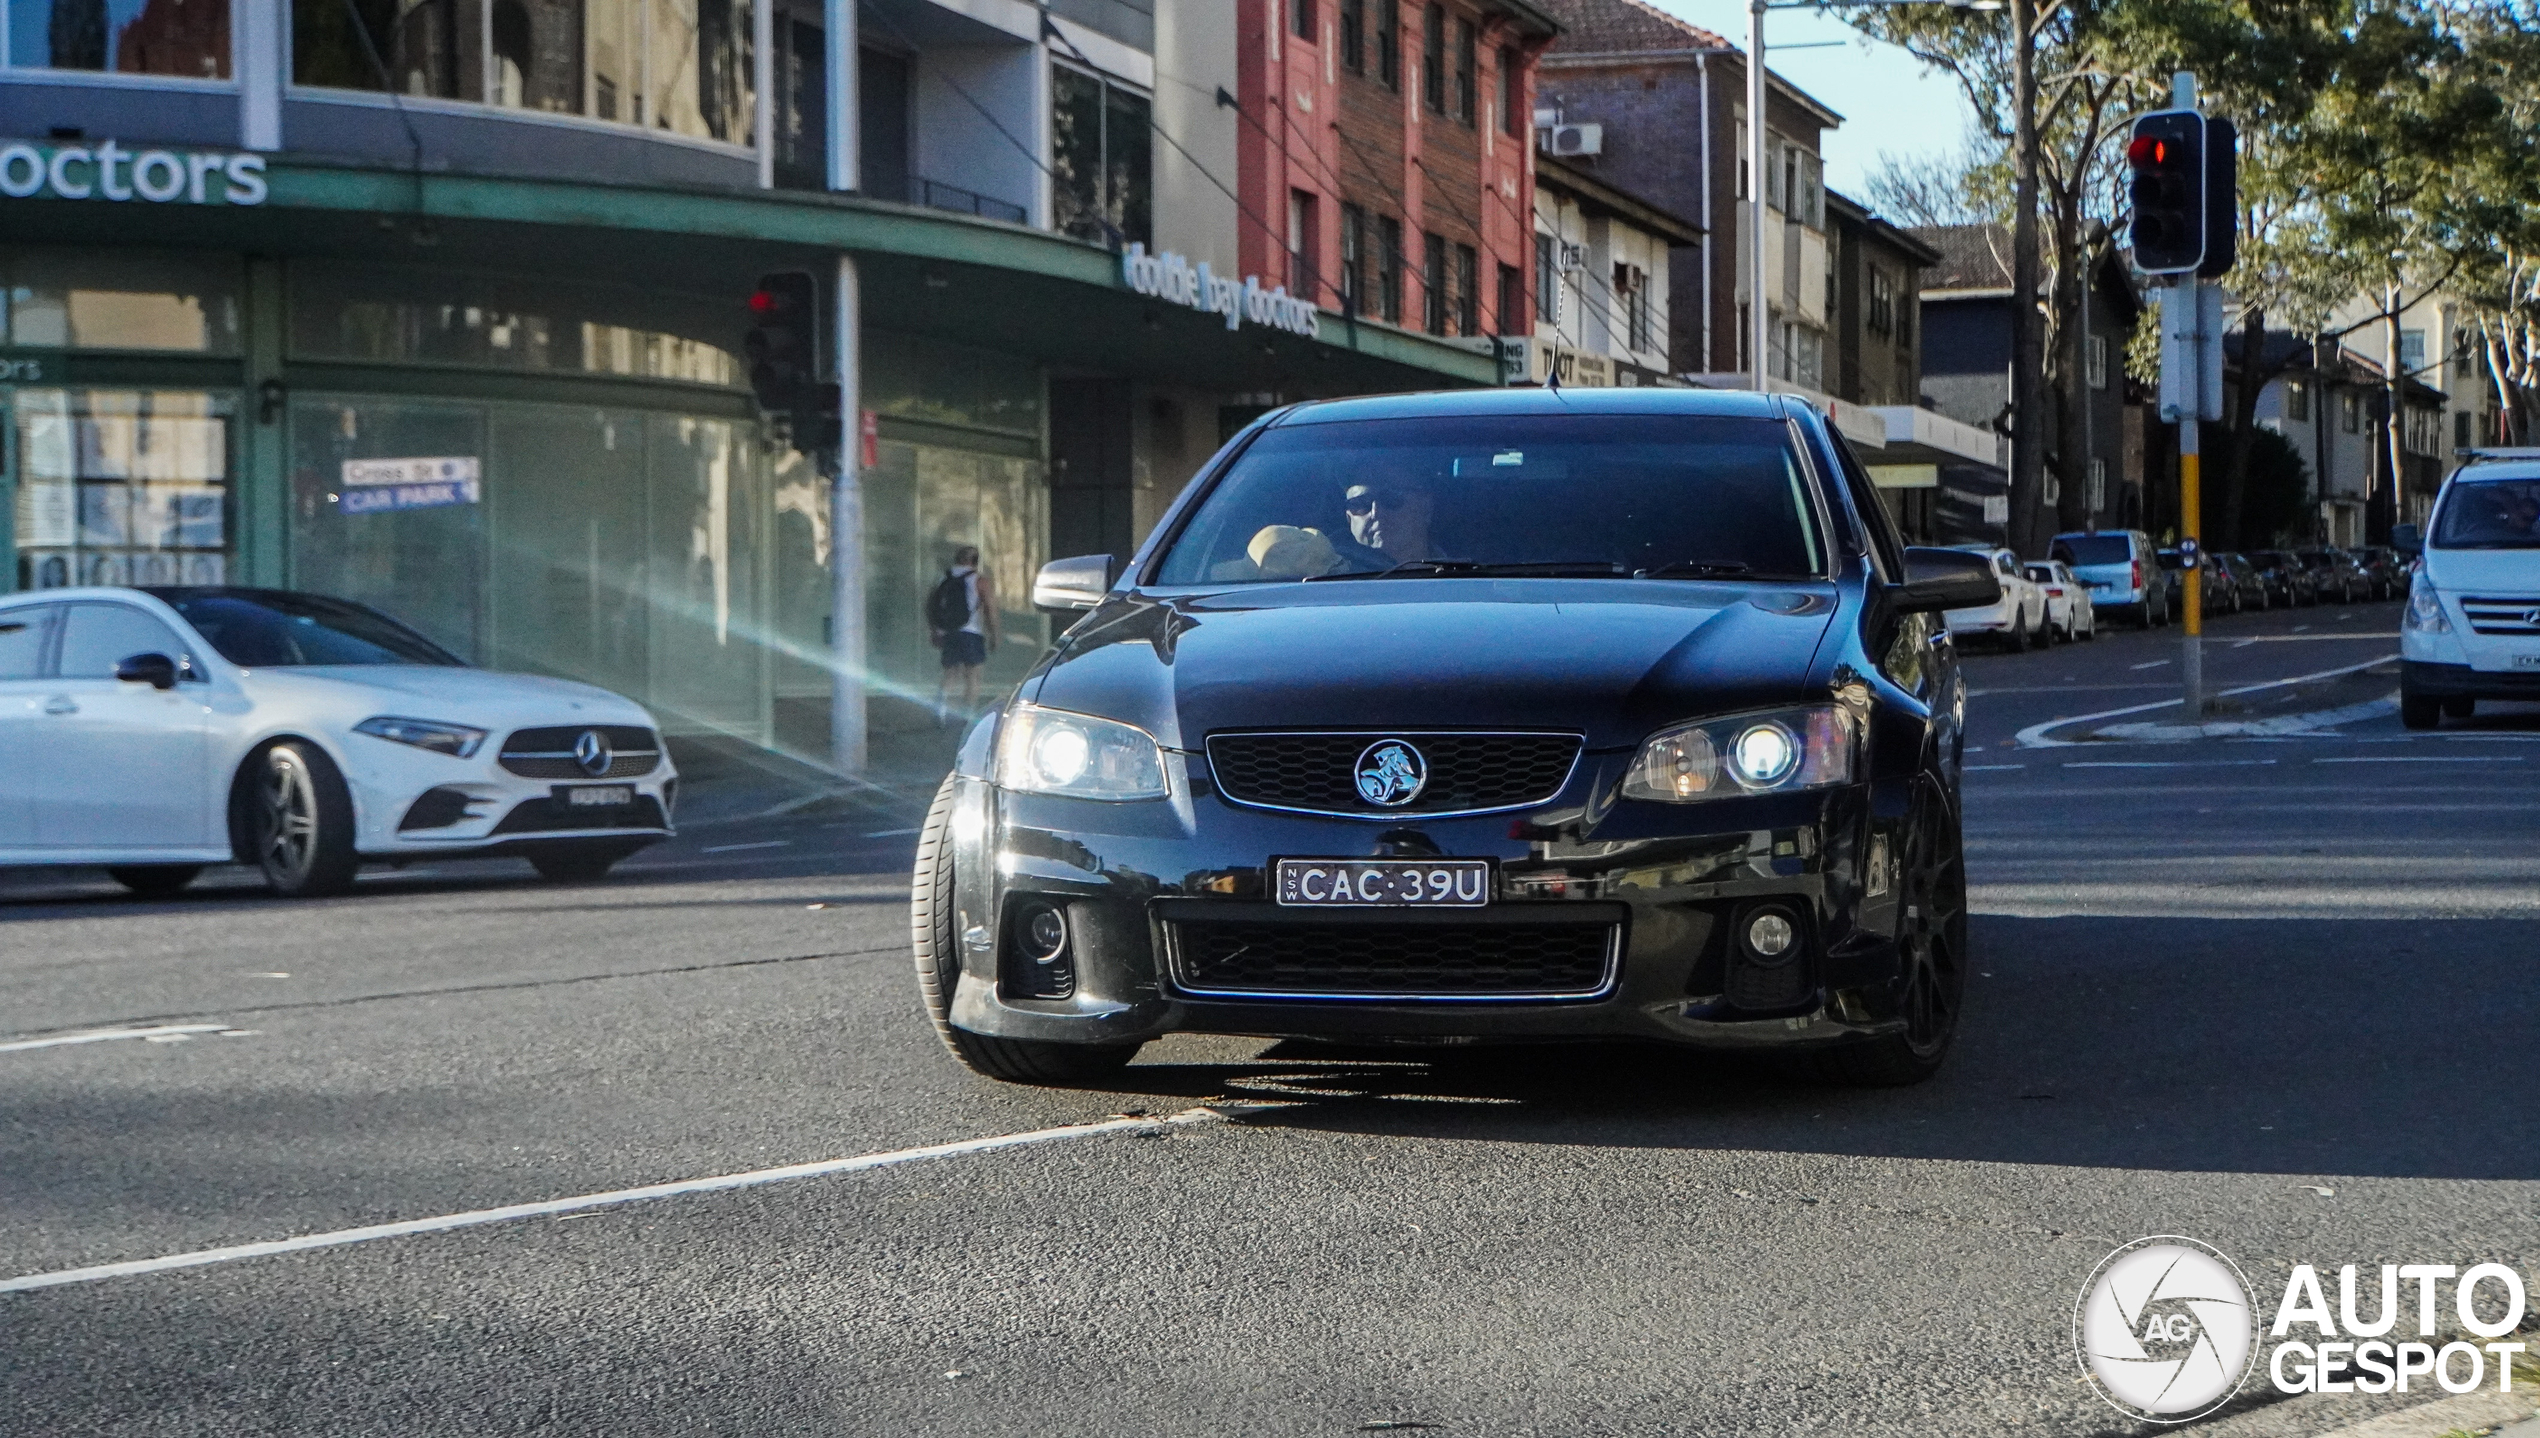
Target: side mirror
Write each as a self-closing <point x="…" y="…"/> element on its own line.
<point x="2407" y="539"/>
<point x="1937" y="579"/>
<point x="156" y="670"/>
<point x="1072" y="586"/>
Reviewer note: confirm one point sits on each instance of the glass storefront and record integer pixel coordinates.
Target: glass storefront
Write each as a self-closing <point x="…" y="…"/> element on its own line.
<point x="121" y="486"/>
<point x="119" y="300"/>
<point x="183" y="38"/>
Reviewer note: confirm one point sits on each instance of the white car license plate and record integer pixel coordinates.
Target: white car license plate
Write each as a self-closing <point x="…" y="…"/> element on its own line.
<point x="1387" y="883"/>
<point x="599" y="796"/>
<point x="2527" y="661"/>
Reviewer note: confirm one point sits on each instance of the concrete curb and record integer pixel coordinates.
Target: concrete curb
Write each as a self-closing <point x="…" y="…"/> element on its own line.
<point x="2041" y="736"/>
<point x="2281" y="725"/>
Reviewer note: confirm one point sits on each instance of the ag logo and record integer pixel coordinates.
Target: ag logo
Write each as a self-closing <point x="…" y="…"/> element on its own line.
<point x="1391" y="773"/>
<point x="2163" y="1329"/>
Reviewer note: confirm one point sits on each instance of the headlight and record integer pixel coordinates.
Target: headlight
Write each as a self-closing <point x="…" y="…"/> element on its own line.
<point x="456" y="740"/>
<point x="1773" y="753"/>
<point x="2425" y="609"/>
<point x="1050" y="751"/>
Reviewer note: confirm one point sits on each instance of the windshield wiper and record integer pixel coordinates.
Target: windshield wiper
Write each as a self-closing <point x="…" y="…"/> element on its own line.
<point x="1440" y="568"/>
<point x="1697" y="569"/>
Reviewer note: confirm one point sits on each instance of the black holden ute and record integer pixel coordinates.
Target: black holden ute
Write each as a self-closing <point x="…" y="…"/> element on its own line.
<point x="1454" y="718"/>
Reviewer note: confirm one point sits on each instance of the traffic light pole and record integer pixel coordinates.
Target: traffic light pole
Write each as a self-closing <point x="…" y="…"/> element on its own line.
<point x="2191" y="496"/>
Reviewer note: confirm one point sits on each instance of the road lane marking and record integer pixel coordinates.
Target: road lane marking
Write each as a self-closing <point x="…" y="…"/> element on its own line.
<point x="892" y="833"/>
<point x="737" y="848"/>
<point x="2422" y="759"/>
<point x="1990" y="768"/>
<point x="2155" y="664"/>
<point x="2034" y="736"/>
<point x="99" y="1036"/>
<point x="475" y="1218"/>
<point x="2168" y="763"/>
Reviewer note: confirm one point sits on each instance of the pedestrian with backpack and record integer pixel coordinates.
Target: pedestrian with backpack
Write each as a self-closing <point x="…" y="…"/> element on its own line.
<point x="961" y="618"/>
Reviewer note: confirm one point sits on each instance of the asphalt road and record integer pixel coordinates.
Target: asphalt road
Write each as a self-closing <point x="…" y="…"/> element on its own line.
<point x="2273" y="995"/>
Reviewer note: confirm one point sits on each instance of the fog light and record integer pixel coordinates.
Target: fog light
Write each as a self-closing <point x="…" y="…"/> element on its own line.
<point x="1045" y="935"/>
<point x="1769" y="935"/>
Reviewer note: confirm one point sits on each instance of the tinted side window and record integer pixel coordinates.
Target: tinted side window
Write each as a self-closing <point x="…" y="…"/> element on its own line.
<point x="97" y="637"/>
<point x="22" y="635"/>
<point x="1885" y="548"/>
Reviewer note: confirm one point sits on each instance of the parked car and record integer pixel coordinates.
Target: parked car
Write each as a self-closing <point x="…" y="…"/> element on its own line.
<point x="156" y="731"/>
<point x="2219" y="586"/>
<point x="2335" y="573"/>
<point x="2017" y="617"/>
<point x="2068" y="612"/>
<point x="2287" y="580"/>
<point x="2472" y="627"/>
<point x="1400" y="797"/>
<point x="2386" y="567"/>
<point x="2248" y="590"/>
<point x="2123" y="574"/>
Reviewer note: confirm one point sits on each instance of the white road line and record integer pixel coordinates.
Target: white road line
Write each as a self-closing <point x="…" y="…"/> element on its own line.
<point x="1991" y="768"/>
<point x="2423" y="759"/>
<point x="477" y="1217"/>
<point x="736" y="848"/>
<point x="891" y="833"/>
<point x="2034" y="736"/>
<point x="100" y="1036"/>
<point x="2155" y="664"/>
<point x="2168" y="763"/>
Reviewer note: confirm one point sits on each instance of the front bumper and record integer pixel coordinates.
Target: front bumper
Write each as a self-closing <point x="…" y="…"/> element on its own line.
<point x="412" y="803"/>
<point x="1669" y="885"/>
<point x="2460" y="681"/>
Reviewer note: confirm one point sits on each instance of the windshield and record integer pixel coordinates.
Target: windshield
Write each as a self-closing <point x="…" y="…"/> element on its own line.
<point x="2491" y="514"/>
<point x="1690" y="496"/>
<point x="273" y="630"/>
<point x="2080" y="549"/>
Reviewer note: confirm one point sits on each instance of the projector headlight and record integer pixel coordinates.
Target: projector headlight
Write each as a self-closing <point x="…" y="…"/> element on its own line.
<point x="459" y="741"/>
<point x="2425" y="609"/>
<point x="1772" y="753"/>
<point x="1050" y="751"/>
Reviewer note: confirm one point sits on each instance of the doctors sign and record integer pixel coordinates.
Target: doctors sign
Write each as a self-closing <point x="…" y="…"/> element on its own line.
<point x="108" y="171"/>
<point x="1167" y="276"/>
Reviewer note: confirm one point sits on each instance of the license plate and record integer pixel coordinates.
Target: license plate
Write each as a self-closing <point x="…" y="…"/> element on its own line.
<point x="1386" y="883"/>
<point x="599" y="796"/>
<point x="2527" y="661"/>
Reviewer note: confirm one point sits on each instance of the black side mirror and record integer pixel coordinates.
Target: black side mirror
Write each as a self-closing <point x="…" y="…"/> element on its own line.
<point x="2407" y="539"/>
<point x="156" y="670"/>
<point x="1070" y="586"/>
<point x="1937" y="579"/>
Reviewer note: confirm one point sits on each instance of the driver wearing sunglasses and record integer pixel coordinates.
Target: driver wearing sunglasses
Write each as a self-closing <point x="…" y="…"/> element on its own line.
<point x="1391" y="517"/>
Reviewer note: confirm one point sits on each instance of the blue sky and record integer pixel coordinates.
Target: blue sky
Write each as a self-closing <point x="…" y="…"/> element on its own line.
<point x="1887" y="102"/>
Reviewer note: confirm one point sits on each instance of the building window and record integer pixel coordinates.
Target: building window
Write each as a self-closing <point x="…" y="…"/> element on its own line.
<point x="1880" y="318"/>
<point x="1512" y="300"/>
<point x="2460" y="429"/>
<point x="122" y="487"/>
<point x="1353" y="259"/>
<point x="1301" y="17"/>
<point x="1468" y="283"/>
<point x="2350" y="412"/>
<point x="1305" y="236"/>
<point x="2297" y="400"/>
<point x="2465" y="354"/>
<point x="1354" y="36"/>
<point x="2094" y="362"/>
<point x="1389" y="269"/>
<point x="1547" y="280"/>
<point x="1433" y="283"/>
<point x="1100" y="156"/>
<point x="1389" y="43"/>
<point x="2098" y="484"/>
<point x="1433" y="57"/>
<point x="1631" y="296"/>
<point x="188" y="41"/>
<point x="1512" y="94"/>
<point x="1464" y="63"/>
<point x="2412" y="350"/>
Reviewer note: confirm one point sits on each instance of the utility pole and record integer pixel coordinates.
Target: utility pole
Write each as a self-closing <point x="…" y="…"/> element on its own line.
<point x="2028" y="446"/>
<point x="1759" y="325"/>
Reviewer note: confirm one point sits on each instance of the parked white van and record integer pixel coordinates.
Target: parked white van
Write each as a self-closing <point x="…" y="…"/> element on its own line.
<point x="2472" y="629"/>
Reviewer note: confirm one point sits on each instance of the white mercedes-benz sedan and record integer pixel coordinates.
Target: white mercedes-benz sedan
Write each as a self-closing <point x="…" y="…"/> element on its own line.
<point x="156" y="731"/>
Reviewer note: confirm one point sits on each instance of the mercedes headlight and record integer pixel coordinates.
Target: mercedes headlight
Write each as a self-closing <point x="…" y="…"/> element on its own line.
<point x="2425" y="609"/>
<point x="456" y="740"/>
<point x="1050" y="751"/>
<point x="1772" y="753"/>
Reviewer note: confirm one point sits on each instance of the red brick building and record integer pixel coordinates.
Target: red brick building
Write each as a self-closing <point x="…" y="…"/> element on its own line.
<point x="1386" y="157"/>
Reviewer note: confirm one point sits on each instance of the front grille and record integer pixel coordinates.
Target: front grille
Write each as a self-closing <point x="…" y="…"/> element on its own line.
<point x="548" y="753"/>
<point x="1318" y="773"/>
<point x="547" y="816"/>
<point x="2502" y="616"/>
<point x="1269" y="958"/>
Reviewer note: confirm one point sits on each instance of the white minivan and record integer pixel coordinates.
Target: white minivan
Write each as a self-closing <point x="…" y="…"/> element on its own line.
<point x="2472" y="629"/>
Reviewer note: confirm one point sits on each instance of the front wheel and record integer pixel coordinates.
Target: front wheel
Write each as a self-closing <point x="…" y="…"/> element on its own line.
<point x="933" y="920"/>
<point x="1932" y="952"/>
<point x="300" y="822"/>
<point x="154" y="881"/>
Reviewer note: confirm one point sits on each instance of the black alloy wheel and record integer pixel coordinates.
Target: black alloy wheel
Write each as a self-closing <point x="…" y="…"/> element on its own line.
<point x="935" y="937"/>
<point x="1931" y="954"/>
<point x="300" y="821"/>
<point x="2017" y="643"/>
<point x="154" y="881"/>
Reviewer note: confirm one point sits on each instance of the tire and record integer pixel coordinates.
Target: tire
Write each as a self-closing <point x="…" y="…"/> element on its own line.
<point x="2143" y="614"/>
<point x="574" y="868"/>
<point x="2420" y="711"/>
<point x="2092" y="631"/>
<point x="300" y="821"/>
<point x="2017" y="640"/>
<point x="154" y="881"/>
<point x="1933" y="985"/>
<point x="2459" y="708"/>
<point x="933" y="922"/>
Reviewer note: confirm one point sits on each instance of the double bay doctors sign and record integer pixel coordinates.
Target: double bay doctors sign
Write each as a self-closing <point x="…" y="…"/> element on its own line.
<point x="1167" y="276"/>
<point x="108" y="171"/>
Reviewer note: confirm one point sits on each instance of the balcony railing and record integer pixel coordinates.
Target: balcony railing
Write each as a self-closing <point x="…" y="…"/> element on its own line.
<point x="916" y="189"/>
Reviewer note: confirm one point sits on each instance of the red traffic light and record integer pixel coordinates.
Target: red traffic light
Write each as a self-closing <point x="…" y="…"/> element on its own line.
<point x="2147" y="149"/>
<point x="764" y="303"/>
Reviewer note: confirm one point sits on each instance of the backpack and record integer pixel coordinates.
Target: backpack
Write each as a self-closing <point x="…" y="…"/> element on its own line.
<point x="948" y="605"/>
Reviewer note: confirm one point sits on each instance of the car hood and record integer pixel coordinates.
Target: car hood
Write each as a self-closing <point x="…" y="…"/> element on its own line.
<point x="483" y="697"/>
<point x="2500" y="573"/>
<point x="1612" y="658"/>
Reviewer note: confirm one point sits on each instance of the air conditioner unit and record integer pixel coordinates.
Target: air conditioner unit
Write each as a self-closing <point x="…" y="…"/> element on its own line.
<point x="1569" y="140"/>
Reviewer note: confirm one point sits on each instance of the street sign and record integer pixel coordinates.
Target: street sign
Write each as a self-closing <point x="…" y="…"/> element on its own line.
<point x="2191" y="352"/>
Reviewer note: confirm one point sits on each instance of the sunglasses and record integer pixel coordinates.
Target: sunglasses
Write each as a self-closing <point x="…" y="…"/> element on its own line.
<point x="1366" y="502"/>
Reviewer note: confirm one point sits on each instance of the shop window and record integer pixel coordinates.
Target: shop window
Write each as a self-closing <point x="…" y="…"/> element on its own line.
<point x="122" y="487"/>
<point x="1100" y="159"/>
<point x="1468" y="283"/>
<point x="1433" y="283"/>
<point x="1433" y="57"/>
<point x="1464" y="65"/>
<point x="414" y="316"/>
<point x="187" y="40"/>
<point x="1389" y="43"/>
<point x="1354" y="36"/>
<point x="684" y="66"/>
<point x="119" y="300"/>
<point x="1389" y="269"/>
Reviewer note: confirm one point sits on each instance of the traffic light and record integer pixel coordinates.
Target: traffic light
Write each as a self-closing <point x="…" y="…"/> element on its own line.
<point x="2167" y="158"/>
<point x="784" y="350"/>
<point x="2222" y="197"/>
